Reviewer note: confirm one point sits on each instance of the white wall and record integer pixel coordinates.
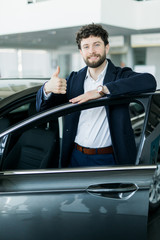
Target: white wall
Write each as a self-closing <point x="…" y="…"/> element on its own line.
<point x="35" y="63"/>
<point x="18" y="16"/>
<point x="120" y="13"/>
<point x="148" y="14"/>
<point x="131" y="14"/>
<point x="8" y="63"/>
<point x="25" y="63"/>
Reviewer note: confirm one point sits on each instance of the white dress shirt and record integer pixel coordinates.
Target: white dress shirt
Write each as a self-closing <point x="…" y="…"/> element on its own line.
<point x="93" y="129"/>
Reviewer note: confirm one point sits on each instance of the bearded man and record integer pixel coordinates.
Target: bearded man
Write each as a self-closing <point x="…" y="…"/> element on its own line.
<point x="102" y="135"/>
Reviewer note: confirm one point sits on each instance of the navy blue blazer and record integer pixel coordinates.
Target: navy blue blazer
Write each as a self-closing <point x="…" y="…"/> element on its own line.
<point x="119" y="81"/>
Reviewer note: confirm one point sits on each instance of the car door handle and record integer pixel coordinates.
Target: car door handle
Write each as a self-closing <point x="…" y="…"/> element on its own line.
<point x="113" y="190"/>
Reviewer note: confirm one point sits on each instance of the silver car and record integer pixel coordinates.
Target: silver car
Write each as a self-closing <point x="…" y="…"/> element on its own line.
<point x="41" y="200"/>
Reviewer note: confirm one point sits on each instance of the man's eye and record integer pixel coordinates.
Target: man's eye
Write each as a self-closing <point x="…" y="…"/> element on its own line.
<point x="85" y="47"/>
<point x="97" y="45"/>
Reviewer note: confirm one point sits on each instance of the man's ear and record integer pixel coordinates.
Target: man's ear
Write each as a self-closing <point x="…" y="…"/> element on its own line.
<point x="81" y="52"/>
<point x="107" y="48"/>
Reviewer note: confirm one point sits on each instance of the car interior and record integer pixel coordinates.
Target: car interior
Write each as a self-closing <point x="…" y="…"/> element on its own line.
<point x="32" y="149"/>
<point x="36" y="147"/>
<point x="32" y="154"/>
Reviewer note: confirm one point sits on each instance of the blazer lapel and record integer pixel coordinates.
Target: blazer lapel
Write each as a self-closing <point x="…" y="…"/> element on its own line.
<point x="78" y="83"/>
<point x="110" y="73"/>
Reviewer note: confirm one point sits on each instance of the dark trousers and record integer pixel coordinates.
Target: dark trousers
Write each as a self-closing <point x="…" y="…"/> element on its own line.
<point x="79" y="159"/>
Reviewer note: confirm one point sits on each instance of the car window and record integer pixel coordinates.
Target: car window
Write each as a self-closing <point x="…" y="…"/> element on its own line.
<point x="27" y="147"/>
<point x="21" y="109"/>
<point x="151" y="148"/>
<point x="137" y="116"/>
<point x="18" y="113"/>
<point x="153" y="118"/>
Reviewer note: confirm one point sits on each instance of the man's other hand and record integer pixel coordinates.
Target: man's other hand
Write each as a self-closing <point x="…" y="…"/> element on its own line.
<point x="90" y="95"/>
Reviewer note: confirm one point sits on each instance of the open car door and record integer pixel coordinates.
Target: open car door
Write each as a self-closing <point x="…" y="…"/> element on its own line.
<point x="94" y="203"/>
<point x="70" y="203"/>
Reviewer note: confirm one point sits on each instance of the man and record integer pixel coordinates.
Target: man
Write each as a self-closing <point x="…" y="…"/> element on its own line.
<point x="91" y="137"/>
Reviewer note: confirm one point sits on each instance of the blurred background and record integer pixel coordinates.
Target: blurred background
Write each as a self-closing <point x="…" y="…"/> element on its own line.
<point x="38" y="35"/>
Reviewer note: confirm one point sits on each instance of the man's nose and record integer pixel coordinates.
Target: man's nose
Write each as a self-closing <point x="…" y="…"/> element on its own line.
<point x="91" y="49"/>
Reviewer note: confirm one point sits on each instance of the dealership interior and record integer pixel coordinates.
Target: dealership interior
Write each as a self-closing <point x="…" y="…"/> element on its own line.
<point x="36" y="36"/>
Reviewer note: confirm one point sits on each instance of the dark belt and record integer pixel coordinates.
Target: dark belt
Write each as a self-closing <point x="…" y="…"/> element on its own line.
<point x="92" y="151"/>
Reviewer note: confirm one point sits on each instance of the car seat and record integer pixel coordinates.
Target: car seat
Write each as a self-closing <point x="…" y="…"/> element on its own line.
<point x="36" y="148"/>
<point x="33" y="150"/>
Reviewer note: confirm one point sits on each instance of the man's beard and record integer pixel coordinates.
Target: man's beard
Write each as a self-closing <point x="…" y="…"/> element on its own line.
<point x="96" y="64"/>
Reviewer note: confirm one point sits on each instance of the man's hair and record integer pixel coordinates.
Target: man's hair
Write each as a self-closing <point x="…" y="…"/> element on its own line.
<point x="95" y="30"/>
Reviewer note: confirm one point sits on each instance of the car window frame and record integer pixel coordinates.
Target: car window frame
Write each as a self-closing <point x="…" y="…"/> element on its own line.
<point x="68" y="108"/>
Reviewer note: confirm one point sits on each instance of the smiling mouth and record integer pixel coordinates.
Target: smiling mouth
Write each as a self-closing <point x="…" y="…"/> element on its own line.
<point x="93" y="58"/>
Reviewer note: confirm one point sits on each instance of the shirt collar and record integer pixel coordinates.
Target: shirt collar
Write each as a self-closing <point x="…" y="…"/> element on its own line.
<point x="102" y="74"/>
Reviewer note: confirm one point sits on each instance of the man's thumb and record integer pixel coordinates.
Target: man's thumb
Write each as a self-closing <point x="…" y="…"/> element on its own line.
<point x="57" y="72"/>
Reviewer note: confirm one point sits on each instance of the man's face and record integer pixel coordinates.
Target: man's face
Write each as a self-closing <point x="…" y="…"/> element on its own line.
<point x="93" y="51"/>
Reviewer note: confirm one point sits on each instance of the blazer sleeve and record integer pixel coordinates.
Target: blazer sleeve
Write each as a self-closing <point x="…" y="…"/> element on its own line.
<point x="130" y="82"/>
<point x="53" y="100"/>
<point x="39" y="98"/>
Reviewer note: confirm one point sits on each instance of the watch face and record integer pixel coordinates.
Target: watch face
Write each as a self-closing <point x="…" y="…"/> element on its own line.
<point x="99" y="89"/>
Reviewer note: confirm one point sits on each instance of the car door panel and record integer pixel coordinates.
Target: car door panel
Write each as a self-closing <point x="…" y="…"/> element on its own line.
<point x="89" y="203"/>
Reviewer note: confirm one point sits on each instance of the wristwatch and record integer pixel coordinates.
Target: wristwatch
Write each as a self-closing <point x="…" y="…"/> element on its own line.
<point x="100" y="90"/>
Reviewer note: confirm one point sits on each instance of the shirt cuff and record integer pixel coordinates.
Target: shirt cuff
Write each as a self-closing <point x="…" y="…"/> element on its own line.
<point x="46" y="96"/>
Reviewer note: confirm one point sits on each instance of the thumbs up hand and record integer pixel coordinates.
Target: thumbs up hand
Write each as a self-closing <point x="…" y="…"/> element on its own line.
<point x="56" y="84"/>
